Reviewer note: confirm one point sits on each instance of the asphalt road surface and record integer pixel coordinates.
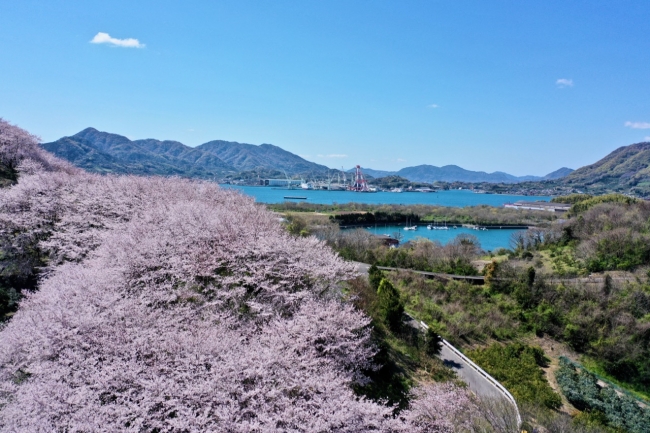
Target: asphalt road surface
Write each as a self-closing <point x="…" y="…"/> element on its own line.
<point x="476" y="381"/>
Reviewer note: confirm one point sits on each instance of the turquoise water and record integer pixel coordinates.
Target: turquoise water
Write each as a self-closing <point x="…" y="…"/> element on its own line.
<point x="452" y="198"/>
<point x="490" y="239"/>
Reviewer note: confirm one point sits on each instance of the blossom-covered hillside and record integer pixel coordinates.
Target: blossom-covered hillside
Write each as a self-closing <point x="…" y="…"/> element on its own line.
<point x="176" y="306"/>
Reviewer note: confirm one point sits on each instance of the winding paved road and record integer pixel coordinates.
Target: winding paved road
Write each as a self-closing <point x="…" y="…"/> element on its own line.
<point x="476" y="381"/>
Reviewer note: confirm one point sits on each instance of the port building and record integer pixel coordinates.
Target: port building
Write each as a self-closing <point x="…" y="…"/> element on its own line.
<point x="282" y="182"/>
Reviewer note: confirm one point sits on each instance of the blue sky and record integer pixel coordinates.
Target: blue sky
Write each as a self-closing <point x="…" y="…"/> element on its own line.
<point x="518" y="86"/>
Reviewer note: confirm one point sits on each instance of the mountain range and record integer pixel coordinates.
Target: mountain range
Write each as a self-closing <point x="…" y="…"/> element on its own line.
<point x="627" y="169"/>
<point x="104" y="152"/>
<point x="454" y="173"/>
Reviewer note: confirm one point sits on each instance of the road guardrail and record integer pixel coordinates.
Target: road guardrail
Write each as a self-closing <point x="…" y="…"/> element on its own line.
<point x="483" y="373"/>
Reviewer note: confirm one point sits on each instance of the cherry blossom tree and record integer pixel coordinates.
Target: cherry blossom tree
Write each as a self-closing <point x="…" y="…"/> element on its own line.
<point x="20" y="149"/>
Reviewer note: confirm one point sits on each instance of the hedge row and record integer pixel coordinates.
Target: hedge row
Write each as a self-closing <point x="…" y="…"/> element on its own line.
<point x="378" y="217"/>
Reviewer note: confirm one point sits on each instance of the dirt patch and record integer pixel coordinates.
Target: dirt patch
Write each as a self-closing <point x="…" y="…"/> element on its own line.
<point x="479" y="265"/>
<point x="553" y="350"/>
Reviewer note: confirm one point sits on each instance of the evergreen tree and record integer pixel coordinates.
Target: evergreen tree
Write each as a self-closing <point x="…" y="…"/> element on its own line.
<point x="433" y="343"/>
<point x="391" y="307"/>
<point x="375" y="276"/>
<point x="530" y="276"/>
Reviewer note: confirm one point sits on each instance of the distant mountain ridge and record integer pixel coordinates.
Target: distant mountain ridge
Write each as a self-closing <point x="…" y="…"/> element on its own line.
<point x="105" y="152"/>
<point x="558" y="174"/>
<point x="453" y="173"/>
<point x="626" y="169"/>
<point x="244" y="156"/>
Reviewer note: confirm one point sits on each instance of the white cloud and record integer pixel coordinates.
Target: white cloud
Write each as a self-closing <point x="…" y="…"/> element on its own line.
<point x="432" y="106"/>
<point x="105" y="38"/>
<point x="333" y="155"/>
<point x="400" y="160"/>
<point x="638" y="125"/>
<point x="647" y="139"/>
<point x="564" y="82"/>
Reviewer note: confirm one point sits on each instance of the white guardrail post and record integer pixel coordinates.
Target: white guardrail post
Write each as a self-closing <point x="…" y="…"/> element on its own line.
<point x="483" y="373"/>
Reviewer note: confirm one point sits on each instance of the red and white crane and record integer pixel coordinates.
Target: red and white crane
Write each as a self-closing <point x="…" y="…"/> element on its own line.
<point x="359" y="183"/>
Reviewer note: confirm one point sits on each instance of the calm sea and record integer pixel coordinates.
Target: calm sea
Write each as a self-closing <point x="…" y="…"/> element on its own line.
<point x="452" y="198"/>
<point x="489" y="239"/>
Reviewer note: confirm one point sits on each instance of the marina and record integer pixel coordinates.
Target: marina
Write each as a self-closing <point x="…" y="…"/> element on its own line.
<point x="490" y="239"/>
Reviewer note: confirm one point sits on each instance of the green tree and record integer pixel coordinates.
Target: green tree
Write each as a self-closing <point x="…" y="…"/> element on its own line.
<point x="297" y="226"/>
<point x="433" y="343"/>
<point x="391" y="307"/>
<point x="375" y="276"/>
<point x="530" y="276"/>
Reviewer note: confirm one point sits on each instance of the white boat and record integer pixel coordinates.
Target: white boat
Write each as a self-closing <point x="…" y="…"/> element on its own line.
<point x="397" y="190"/>
<point x="408" y="227"/>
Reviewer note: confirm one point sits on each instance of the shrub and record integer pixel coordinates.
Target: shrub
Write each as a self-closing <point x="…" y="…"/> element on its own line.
<point x="517" y="367"/>
<point x="580" y="206"/>
<point x="571" y="198"/>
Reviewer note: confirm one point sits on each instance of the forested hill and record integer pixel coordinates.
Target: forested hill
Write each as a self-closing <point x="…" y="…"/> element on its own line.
<point x="104" y="152"/>
<point x="244" y="156"/>
<point x="627" y="169"/>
